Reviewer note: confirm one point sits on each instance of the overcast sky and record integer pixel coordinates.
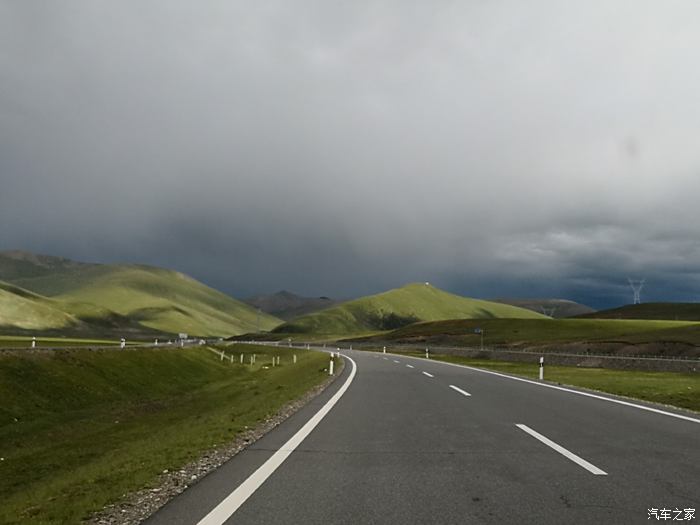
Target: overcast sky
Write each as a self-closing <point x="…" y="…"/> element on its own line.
<point x="529" y="149"/>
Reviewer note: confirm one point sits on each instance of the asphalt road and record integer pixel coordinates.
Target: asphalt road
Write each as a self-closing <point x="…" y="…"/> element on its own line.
<point x="437" y="443"/>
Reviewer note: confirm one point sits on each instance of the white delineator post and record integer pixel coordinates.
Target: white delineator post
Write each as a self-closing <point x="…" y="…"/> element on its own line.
<point x="33" y="342"/>
<point x="122" y="344"/>
<point x="330" y="368"/>
<point x="384" y="350"/>
<point x="295" y="359"/>
<point x="156" y="342"/>
<point x="541" y="368"/>
<point x="427" y="353"/>
<point x="241" y="358"/>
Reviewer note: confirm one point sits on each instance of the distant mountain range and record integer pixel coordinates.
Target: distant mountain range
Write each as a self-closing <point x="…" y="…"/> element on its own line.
<point x="287" y="305"/>
<point x="556" y="308"/>
<point x="42" y="293"/>
<point x="53" y="295"/>
<point x="399" y="307"/>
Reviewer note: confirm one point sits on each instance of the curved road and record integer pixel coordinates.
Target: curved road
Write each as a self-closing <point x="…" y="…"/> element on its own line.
<point x="416" y="441"/>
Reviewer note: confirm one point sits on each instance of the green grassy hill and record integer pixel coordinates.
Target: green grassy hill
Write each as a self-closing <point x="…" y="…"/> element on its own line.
<point x="115" y="296"/>
<point x="399" y="307"/>
<point x="29" y="311"/>
<point x="659" y="311"/>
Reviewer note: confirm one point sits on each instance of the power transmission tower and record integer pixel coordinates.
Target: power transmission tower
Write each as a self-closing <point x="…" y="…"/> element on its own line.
<point x="548" y="310"/>
<point x="636" y="286"/>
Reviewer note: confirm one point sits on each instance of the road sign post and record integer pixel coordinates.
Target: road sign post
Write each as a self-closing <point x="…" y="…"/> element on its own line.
<point x="480" y="331"/>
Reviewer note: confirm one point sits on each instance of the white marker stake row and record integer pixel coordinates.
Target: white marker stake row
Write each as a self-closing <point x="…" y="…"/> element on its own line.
<point x="457" y="389"/>
<point x="427" y="374"/>
<point x="224" y="510"/>
<point x="570" y="455"/>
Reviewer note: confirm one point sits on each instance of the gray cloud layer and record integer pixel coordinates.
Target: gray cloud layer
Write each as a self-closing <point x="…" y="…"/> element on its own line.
<point x="494" y="148"/>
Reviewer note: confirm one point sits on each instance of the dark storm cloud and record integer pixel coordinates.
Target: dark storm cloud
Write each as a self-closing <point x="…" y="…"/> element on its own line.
<point x="341" y="148"/>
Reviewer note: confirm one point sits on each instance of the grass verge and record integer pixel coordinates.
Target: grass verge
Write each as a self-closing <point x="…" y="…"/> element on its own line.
<point x="26" y="341"/>
<point x="81" y="428"/>
<point x="667" y="388"/>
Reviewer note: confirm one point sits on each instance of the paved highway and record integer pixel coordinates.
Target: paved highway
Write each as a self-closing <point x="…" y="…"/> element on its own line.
<point x="403" y="440"/>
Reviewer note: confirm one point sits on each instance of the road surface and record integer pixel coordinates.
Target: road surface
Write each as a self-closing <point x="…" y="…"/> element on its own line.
<point x="415" y="441"/>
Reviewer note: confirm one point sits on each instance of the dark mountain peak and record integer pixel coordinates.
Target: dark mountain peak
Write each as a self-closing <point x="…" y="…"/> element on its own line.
<point x="36" y="258"/>
<point x="285" y="294"/>
<point x="18" y="264"/>
<point x="288" y="305"/>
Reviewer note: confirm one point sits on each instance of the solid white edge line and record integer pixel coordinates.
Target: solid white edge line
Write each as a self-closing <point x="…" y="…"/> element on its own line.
<point x="564" y="389"/>
<point x="427" y="374"/>
<point x="457" y="389"/>
<point x="224" y="510"/>
<point x="566" y="453"/>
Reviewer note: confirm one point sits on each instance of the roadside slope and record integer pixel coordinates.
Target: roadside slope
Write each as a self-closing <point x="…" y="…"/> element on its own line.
<point x="80" y="428"/>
